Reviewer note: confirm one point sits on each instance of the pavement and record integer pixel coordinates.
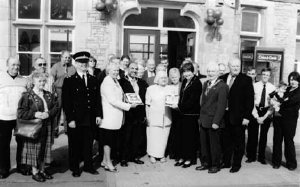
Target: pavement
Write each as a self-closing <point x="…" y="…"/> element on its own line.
<point x="158" y="174"/>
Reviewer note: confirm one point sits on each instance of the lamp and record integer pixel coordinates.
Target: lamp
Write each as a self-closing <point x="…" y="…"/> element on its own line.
<point x="214" y="21"/>
<point x="106" y="7"/>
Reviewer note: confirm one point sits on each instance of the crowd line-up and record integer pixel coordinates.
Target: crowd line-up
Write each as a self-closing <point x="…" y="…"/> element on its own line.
<point x="132" y="108"/>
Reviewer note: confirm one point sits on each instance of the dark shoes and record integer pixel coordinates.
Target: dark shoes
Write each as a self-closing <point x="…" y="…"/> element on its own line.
<point x="276" y="166"/>
<point x="291" y="168"/>
<point x="137" y="161"/>
<point x="179" y="163"/>
<point x="262" y="161"/>
<point x="249" y="160"/>
<point x="124" y="163"/>
<point x="38" y="177"/>
<point x="187" y="164"/>
<point x="223" y="166"/>
<point x="213" y="170"/>
<point x="92" y="171"/>
<point x="46" y="175"/>
<point x="201" y="168"/>
<point x="4" y="175"/>
<point x="24" y="171"/>
<point x="76" y="173"/>
<point x="234" y="169"/>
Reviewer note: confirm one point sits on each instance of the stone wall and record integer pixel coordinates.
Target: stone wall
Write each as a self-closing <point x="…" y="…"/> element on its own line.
<point x="5" y="31"/>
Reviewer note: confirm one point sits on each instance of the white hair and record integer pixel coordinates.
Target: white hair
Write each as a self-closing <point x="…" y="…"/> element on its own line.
<point x="212" y="66"/>
<point x="159" y="75"/>
<point x="110" y="65"/>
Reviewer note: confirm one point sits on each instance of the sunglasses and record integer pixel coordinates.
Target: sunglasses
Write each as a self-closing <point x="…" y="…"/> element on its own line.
<point x="67" y="57"/>
<point x="42" y="64"/>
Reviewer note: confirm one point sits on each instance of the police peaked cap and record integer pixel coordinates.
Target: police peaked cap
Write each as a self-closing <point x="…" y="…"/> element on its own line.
<point x="82" y="56"/>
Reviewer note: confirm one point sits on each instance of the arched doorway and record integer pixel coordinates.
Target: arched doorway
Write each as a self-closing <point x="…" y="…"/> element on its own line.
<point x="159" y="32"/>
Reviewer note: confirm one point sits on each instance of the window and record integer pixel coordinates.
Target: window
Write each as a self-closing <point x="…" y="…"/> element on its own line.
<point x="36" y="37"/>
<point x="297" y="54"/>
<point x="251" y="21"/>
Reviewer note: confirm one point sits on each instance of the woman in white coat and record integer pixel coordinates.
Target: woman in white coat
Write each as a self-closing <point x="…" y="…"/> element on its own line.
<point x="158" y="116"/>
<point x="113" y="107"/>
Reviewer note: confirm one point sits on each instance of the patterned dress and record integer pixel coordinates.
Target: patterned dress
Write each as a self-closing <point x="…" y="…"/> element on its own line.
<point x="35" y="151"/>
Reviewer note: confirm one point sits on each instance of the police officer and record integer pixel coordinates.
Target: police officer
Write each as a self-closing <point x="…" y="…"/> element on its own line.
<point x="82" y="105"/>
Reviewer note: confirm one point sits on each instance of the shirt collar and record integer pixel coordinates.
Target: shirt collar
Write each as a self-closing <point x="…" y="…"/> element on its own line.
<point x="81" y="74"/>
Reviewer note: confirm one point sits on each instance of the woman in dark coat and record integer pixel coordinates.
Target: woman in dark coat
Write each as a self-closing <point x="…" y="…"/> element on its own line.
<point x="41" y="104"/>
<point x="92" y="67"/>
<point x="285" y="125"/>
<point x="189" y="108"/>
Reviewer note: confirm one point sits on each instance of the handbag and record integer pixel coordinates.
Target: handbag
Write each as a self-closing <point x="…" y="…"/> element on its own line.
<point x="30" y="129"/>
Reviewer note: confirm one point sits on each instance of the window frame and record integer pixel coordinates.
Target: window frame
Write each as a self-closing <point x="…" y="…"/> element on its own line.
<point x="41" y="40"/>
<point x="53" y="21"/>
<point x="30" y="20"/>
<point x="259" y="29"/>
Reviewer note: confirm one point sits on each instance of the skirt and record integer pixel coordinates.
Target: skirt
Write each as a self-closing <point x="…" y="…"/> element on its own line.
<point x="108" y="137"/>
<point x="36" y="151"/>
<point x="157" y="139"/>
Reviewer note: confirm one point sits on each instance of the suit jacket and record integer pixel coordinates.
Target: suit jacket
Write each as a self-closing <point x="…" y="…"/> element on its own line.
<point x="149" y="80"/>
<point x="135" y="115"/>
<point x="213" y="104"/>
<point x="189" y="97"/>
<point x="80" y="100"/>
<point x="240" y="98"/>
<point x="112" y="103"/>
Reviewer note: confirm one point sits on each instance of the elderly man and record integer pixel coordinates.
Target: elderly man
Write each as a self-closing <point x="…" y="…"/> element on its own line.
<point x="237" y="115"/>
<point x="59" y="72"/>
<point x="82" y="105"/>
<point x="222" y="69"/>
<point x="260" y="119"/>
<point x="150" y="70"/>
<point x="12" y="85"/>
<point x="213" y="105"/>
<point x="135" y="118"/>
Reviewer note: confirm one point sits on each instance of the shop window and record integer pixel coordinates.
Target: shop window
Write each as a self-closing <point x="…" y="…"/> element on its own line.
<point x="251" y="21"/>
<point x="61" y="10"/>
<point x="147" y="18"/>
<point x="29" y="48"/>
<point x="60" y="39"/>
<point x="29" y="9"/>
<point x="173" y="19"/>
<point x="36" y="36"/>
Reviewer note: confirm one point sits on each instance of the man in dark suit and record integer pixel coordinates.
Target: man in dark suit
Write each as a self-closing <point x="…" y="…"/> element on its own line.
<point x="82" y="105"/>
<point x="135" y="118"/>
<point x="213" y="105"/>
<point x="237" y="115"/>
<point x="150" y="70"/>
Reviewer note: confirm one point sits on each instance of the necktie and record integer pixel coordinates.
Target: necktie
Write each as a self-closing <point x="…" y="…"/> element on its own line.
<point x="208" y="87"/>
<point x="263" y="97"/>
<point x="83" y="78"/>
<point x="231" y="82"/>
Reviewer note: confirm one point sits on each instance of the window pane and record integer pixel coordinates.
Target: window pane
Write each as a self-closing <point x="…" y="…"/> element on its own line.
<point x="148" y="17"/>
<point x="62" y="9"/>
<point x="250" y="22"/>
<point x="29" y="9"/>
<point x="173" y="19"/>
<point x="27" y="61"/>
<point x="61" y="39"/>
<point x="298" y="24"/>
<point x="298" y="51"/>
<point x="29" y="40"/>
<point x="54" y="58"/>
<point x="141" y="46"/>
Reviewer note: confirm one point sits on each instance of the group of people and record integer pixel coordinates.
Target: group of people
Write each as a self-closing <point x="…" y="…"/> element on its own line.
<point x="172" y="114"/>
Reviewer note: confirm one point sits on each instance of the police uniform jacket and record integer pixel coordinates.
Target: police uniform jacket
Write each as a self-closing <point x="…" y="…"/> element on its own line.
<point x="79" y="100"/>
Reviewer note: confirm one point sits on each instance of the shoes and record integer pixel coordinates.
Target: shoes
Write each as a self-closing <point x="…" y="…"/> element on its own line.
<point x="4" y="175"/>
<point x="179" y="163"/>
<point x="113" y="170"/>
<point x="262" y="161"/>
<point x="152" y="160"/>
<point x="138" y="161"/>
<point x="276" y="166"/>
<point x="291" y="168"/>
<point x="249" y="160"/>
<point x="24" y="171"/>
<point x="56" y="133"/>
<point x="234" y="169"/>
<point x="201" y="168"/>
<point x="124" y="163"/>
<point x="76" y="173"/>
<point x="223" y="166"/>
<point x="38" y="177"/>
<point x="163" y="160"/>
<point x="92" y="171"/>
<point x="187" y="164"/>
<point x="46" y="175"/>
<point x="213" y="170"/>
<point x="102" y="165"/>
<point x="171" y="156"/>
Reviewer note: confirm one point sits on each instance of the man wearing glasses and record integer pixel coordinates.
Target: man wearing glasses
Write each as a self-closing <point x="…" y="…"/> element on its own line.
<point x="59" y="72"/>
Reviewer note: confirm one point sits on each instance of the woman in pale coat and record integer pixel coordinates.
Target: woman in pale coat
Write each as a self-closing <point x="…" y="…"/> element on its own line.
<point x="158" y="116"/>
<point x="113" y="118"/>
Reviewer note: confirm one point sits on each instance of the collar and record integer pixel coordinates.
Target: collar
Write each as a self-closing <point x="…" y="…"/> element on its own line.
<point x="212" y="82"/>
<point x="13" y="77"/>
<point x="81" y="74"/>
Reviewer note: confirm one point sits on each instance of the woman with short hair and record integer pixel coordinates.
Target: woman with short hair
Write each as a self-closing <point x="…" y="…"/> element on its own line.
<point x="40" y="104"/>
